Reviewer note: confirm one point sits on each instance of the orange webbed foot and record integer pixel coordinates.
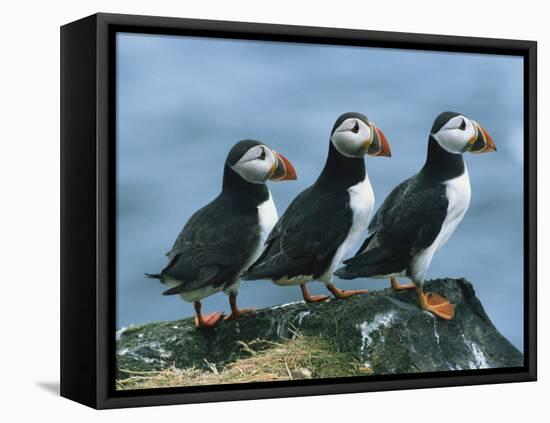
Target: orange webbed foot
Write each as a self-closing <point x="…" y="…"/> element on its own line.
<point x="438" y="305"/>
<point x="240" y="313"/>
<point x="208" y="320"/>
<point x="396" y="286"/>
<point x="308" y="298"/>
<point x="341" y="293"/>
<point x="316" y="298"/>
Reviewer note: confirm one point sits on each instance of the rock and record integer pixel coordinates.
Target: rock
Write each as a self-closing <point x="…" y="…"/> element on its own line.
<point x="385" y="330"/>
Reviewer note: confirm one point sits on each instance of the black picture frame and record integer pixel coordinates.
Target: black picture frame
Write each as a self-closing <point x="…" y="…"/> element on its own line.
<point x="88" y="151"/>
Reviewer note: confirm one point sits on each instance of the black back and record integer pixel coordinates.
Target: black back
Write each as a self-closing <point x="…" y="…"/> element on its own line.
<point x="219" y="239"/>
<point x="410" y="218"/>
<point x="315" y="224"/>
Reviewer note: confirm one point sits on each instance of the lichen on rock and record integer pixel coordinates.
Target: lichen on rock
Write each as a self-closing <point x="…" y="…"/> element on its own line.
<point x="385" y="331"/>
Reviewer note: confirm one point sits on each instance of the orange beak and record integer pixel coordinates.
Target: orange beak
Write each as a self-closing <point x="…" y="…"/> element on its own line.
<point x="379" y="147"/>
<point x="284" y="170"/>
<point x="483" y="142"/>
<point x="385" y="145"/>
<point x="491" y="146"/>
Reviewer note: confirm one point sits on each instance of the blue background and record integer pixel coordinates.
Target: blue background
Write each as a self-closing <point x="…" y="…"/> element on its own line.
<point x="182" y="102"/>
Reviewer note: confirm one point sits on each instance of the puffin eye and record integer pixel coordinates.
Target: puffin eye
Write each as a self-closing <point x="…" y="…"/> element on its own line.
<point x="355" y="128"/>
<point x="262" y="156"/>
<point x="462" y="126"/>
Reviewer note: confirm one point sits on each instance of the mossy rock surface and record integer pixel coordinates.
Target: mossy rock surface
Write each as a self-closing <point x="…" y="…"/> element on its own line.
<point x="385" y="331"/>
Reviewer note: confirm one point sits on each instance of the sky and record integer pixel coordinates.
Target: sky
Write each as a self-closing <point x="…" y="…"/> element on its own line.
<point x="183" y="102"/>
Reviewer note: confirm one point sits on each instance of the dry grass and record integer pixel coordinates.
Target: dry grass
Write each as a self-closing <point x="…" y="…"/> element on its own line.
<point x="300" y="358"/>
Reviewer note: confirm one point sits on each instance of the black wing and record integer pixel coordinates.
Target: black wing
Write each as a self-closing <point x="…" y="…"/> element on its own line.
<point x="306" y="237"/>
<point x="388" y="207"/>
<point x="409" y="219"/>
<point x="213" y="246"/>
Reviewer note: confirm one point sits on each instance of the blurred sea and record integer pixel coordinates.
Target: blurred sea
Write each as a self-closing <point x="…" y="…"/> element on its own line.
<point x="183" y="102"/>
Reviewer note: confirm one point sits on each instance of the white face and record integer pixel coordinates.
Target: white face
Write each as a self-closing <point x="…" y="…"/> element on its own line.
<point x="456" y="134"/>
<point x="352" y="138"/>
<point x="256" y="165"/>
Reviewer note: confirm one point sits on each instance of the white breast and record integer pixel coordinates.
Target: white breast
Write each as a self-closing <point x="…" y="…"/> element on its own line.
<point x="458" y="193"/>
<point x="267" y="218"/>
<point x="361" y="202"/>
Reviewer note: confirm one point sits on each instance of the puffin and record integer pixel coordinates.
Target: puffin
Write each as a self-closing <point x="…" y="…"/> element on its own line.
<point x="224" y="237"/>
<point x="420" y="215"/>
<point x="326" y="219"/>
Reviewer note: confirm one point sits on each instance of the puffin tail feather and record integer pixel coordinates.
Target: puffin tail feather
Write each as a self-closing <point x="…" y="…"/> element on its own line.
<point x="248" y="276"/>
<point x="175" y="290"/>
<point x="356" y="271"/>
<point x="345" y="273"/>
<point x="153" y="276"/>
<point x="254" y="273"/>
